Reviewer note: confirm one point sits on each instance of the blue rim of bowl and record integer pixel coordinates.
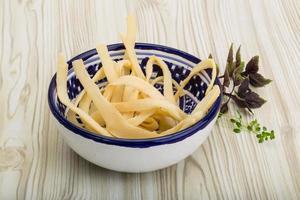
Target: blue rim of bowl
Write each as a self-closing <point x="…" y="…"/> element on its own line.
<point x="134" y="143"/>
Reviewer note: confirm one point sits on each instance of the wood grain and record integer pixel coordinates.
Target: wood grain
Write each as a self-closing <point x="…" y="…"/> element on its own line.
<point x="35" y="163"/>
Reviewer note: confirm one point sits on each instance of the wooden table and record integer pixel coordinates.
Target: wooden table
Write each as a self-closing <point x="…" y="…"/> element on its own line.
<point x="35" y="162"/>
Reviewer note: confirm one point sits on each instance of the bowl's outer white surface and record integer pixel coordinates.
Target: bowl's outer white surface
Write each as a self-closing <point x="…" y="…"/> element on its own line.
<point x="127" y="159"/>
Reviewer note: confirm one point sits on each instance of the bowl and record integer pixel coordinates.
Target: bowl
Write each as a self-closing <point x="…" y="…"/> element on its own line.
<point x="137" y="155"/>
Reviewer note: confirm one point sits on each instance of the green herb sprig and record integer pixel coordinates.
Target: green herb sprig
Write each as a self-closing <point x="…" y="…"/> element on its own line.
<point x="262" y="134"/>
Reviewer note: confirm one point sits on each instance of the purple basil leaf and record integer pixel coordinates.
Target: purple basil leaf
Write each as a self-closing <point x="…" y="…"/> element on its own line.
<point x="252" y="65"/>
<point x="257" y="80"/>
<point x="241" y="103"/>
<point x="229" y="64"/>
<point x="226" y="81"/>
<point x="238" y="57"/>
<point x="253" y="100"/>
<point x="230" y="54"/>
<point x="244" y="88"/>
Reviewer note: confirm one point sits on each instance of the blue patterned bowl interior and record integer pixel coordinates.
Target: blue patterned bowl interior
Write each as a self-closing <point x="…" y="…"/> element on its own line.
<point x="180" y="65"/>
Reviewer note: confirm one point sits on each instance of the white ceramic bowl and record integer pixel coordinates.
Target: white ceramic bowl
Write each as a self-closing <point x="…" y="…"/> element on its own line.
<point x="140" y="155"/>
